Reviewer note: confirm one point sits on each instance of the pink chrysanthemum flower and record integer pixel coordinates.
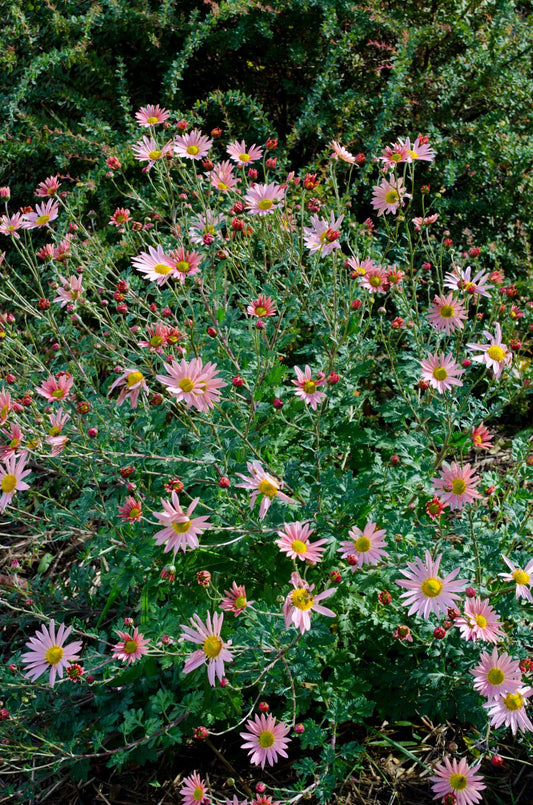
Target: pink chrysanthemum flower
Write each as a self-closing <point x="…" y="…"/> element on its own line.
<point x="435" y="507"/>
<point x="447" y="314"/>
<point x="147" y="150"/>
<point x="222" y="176"/>
<point x="235" y="600"/>
<point x="49" y="187"/>
<point x="43" y="215"/>
<point x="14" y="437"/>
<point x="323" y="235"/>
<point x="389" y="195"/>
<point x="156" y="265"/>
<point x="495" y="354"/>
<point x="458" y="778"/>
<point x="6" y="404"/>
<point x="120" y="217"/>
<point x="180" y="530"/>
<point x="56" y="388"/>
<point x="131" y="511"/>
<point x="242" y="155"/>
<point x="192" y="145"/>
<point x="56" y="439"/>
<point x="480" y="621"/>
<point x="456" y="484"/>
<point x="204" y="225"/>
<point x="194" y="791"/>
<point x="11" y="479"/>
<point x="510" y="710"/>
<point x="441" y="372"/>
<point x="340" y="152"/>
<point x="521" y="577"/>
<point x="361" y="267"/>
<point x="71" y="291"/>
<point x="186" y="263"/>
<point x="262" y="307"/>
<point x="301" y="602"/>
<point x="418" y="150"/>
<point x="158" y="338"/>
<point x="393" y="155"/>
<point x="264" y="199"/>
<point x="9" y="224"/>
<point x="294" y="541"/>
<point x="395" y="276"/>
<point x="47" y="652"/>
<point x="308" y="387"/>
<point x="481" y="437"/>
<point x="496" y="674"/>
<point x="130" y="647"/>
<point x="427" y="221"/>
<point x="375" y="280"/>
<point x="132" y="382"/>
<point x="461" y="279"/>
<point x="427" y="592"/>
<point x="151" y="115"/>
<point x="261" y="483"/>
<point x="266" y="739"/>
<point x="214" y="651"/>
<point x="365" y="546"/>
<point x="193" y="383"/>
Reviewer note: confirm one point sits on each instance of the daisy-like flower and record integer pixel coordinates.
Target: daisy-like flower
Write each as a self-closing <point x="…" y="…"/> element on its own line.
<point x="49" y="187"/>
<point x="130" y="647"/>
<point x="458" y="778"/>
<point x="261" y="483"/>
<point x="156" y="265"/>
<point x="460" y="279"/>
<point x="204" y="225"/>
<point x="180" y="530"/>
<point x="131" y="510"/>
<point x="456" y="484"/>
<point x="193" y="383"/>
<point x="361" y="267"/>
<point x="427" y="221"/>
<point x="12" y="474"/>
<point x="14" y="440"/>
<point x="147" y="150"/>
<point x="56" y="439"/>
<point x="44" y="213"/>
<point x="62" y="250"/>
<point x="266" y="739"/>
<point x="9" y="224"/>
<point x="522" y="578"/>
<point x="340" y="152"/>
<point x="447" y="314"/>
<point x="194" y="791"/>
<point x="435" y="507"/>
<point x="294" y="541"/>
<point x="393" y="155"/>
<point x="71" y="291"/>
<point x="187" y="263"/>
<point x="158" y="338"/>
<point x="480" y="621"/>
<point x="151" y="115"/>
<point x="192" y="145"/>
<point x="262" y="307"/>
<point x="420" y="149"/>
<point x="242" y="155"/>
<point x="495" y="354"/>
<point x="56" y="388"/>
<point x="389" y="195"/>
<point x="427" y="592"/>
<point x="300" y="602"/>
<point x="441" y="372"/>
<point x="131" y="382"/>
<point x="375" y="280"/>
<point x="264" y="199"/>
<point x="496" y="674"/>
<point x="365" y="546"/>
<point x="308" y="387"/>
<point x="395" y="276"/>
<point x="481" y="437"/>
<point x="235" y="599"/>
<point x="510" y="710"/>
<point x="47" y="652"/>
<point x="214" y="651"/>
<point x="222" y="176"/>
<point x="120" y="217"/>
<point x="323" y="235"/>
<point x="6" y="404"/>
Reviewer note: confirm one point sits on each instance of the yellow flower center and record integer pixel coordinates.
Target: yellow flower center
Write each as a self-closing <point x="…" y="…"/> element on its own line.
<point x="431" y="587"/>
<point x="193" y="150"/>
<point x="374" y="281"/>
<point x="198" y="793"/>
<point x="4" y="410"/>
<point x="134" y="378"/>
<point x="8" y="483"/>
<point x="495" y="676"/>
<point x="481" y="621"/>
<point x="446" y="312"/>
<point x="183" y="266"/>
<point x="186" y="385"/>
<point x="14" y="442"/>
<point x="244" y="157"/>
<point x="58" y="394"/>
<point x="395" y="157"/>
<point x="54" y="655"/>
<point x="362" y="545"/>
<point x="240" y="602"/>
<point x="392" y="197"/>
<point x="513" y="702"/>
<point x="213" y="646"/>
<point x="135" y="512"/>
<point x="267" y="488"/>
<point x="155" y="154"/>
<point x="477" y="438"/>
<point x="156" y="340"/>
<point x="302" y="599"/>
<point x="181" y="528"/>
<point x="266" y="739"/>
<point x="496" y="353"/>
<point x="152" y="120"/>
<point x="265" y="204"/>
<point x="162" y="269"/>
<point x="458" y="782"/>
<point x="309" y="386"/>
<point x="440" y="373"/>
<point x="260" y="311"/>
<point x="130" y="646"/>
<point x="520" y="576"/>
<point x="298" y="546"/>
<point x="222" y="186"/>
<point x="458" y="486"/>
<point x="413" y="154"/>
<point x="55" y="431"/>
<point x="42" y="219"/>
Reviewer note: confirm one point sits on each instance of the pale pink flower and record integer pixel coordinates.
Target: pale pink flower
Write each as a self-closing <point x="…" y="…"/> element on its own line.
<point x="120" y="217"/>
<point x="393" y="155"/>
<point x="308" y="387"/>
<point x="375" y="280"/>
<point x="131" y="510"/>
<point x="156" y="265"/>
<point x="222" y="176"/>
<point x="193" y="383"/>
<point x="266" y="739"/>
<point x="340" y="152"/>
<point x="151" y="115"/>
<point x="496" y="674"/>
<point x="214" y="651"/>
<point x="441" y="372"/>
<point x="9" y="224"/>
<point x="461" y="279"/>
<point x="235" y="600"/>
<point x="261" y="483"/>
<point x="389" y="195"/>
<point x="427" y="592"/>
<point x="71" y="291"/>
<point x="205" y="224"/>
<point x="495" y="354"/>
<point x="49" y="187"/>
<point x="481" y="437"/>
<point x="301" y="602"/>
<point x="521" y="577"/>
<point x="365" y="546"/>
<point x="456" y="484"/>
<point x="47" y="652"/>
<point x="418" y="150"/>
<point x="44" y="213"/>
<point x="147" y="150"/>
<point x="242" y="155"/>
<point x="194" y="791"/>
<point x="510" y="710"/>
<point x="323" y="235"/>
<point x="427" y="221"/>
<point x="294" y="541"/>
<point x="186" y="263"/>
<point x="14" y="436"/>
<point x="56" y="388"/>
<point x="361" y="267"/>
<point x="480" y="621"/>
<point x="458" y="778"/>
<point x="56" y="439"/>
<point x="130" y="647"/>
<point x="132" y="382"/>
<point x="262" y="307"/>
<point x="180" y="530"/>
<point x="264" y="199"/>
<point x="6" y="404"/>
<point x="192" y="145"/>
<point x="61" y="252"/>
<point x="447" y="314"/>
<point x="11" y="478"/>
